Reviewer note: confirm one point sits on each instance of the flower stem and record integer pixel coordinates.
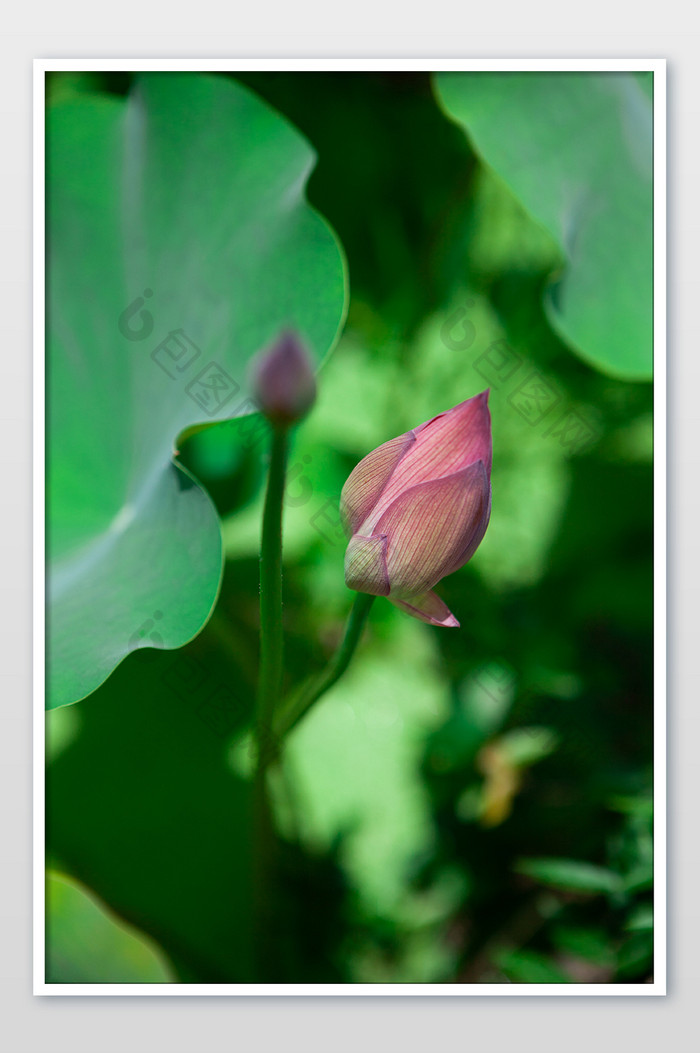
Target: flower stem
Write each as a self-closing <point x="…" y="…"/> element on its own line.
<point x="310" y="694"/>
<point x="271" y="638"/>
<point x="268" y="694"/>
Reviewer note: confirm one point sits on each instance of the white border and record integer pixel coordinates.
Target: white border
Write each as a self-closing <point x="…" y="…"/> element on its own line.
<point x="658" y="68"/>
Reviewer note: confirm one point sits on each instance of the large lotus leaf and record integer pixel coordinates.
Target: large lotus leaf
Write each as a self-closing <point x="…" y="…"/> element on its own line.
<point x="179" y="243"/>
<point x="576" y="149"/>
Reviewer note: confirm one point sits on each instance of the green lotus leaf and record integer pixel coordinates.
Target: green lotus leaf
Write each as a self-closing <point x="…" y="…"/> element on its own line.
<point x="576" y="150"/>
<point x="179" y="243"/>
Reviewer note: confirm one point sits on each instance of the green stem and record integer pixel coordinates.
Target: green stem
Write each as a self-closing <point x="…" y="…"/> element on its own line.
<point x="268" y="694"/>
<point x="271" y="638"/>
<point x="310" y="694"/>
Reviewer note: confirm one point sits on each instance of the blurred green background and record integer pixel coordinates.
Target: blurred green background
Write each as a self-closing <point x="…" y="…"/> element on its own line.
<point x="465" y="806"/>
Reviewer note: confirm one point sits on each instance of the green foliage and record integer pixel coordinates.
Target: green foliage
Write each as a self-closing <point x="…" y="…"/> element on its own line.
<point x="84" y="944"/>
<point x="465" y="807"/>
<point x="576" y="150"/>
<point x="180" y="243"/>
<point x="354" y="761"/>
<point x="162" y="834"/>
<point x="570" y="875"/>
<point x="529" y="967"/>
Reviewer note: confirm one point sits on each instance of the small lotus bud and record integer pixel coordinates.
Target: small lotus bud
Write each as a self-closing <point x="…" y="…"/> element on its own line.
<point x="283" y="381"/>
<point x="417" y="508"/>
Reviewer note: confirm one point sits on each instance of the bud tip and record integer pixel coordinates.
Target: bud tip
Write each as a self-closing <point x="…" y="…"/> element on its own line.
<point x="283" y="380"/>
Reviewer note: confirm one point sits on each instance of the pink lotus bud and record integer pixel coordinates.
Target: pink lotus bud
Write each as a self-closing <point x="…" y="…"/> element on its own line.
<point x="417" y="507"/>
<point x="283" y="381"/>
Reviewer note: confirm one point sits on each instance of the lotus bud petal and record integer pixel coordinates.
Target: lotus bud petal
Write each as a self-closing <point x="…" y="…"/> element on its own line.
<point x="368" y="479"/>
<point x="365" y="565"/>
<point x="283" y="381"/>
<point x="417" y="508"/>
<point x="428" y="608"/>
